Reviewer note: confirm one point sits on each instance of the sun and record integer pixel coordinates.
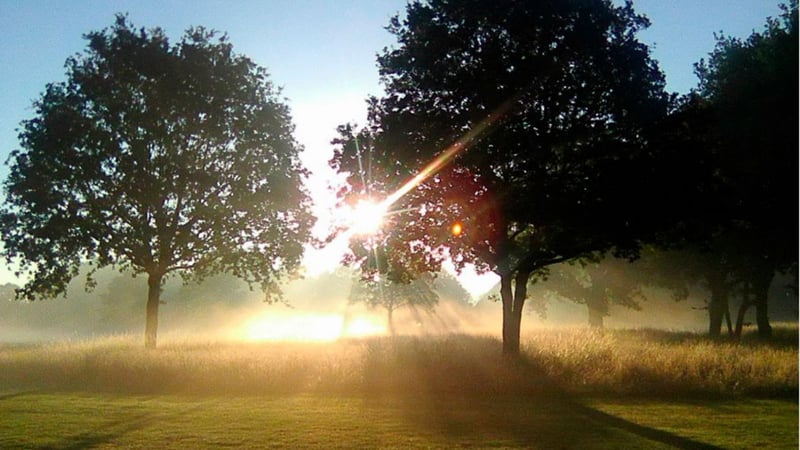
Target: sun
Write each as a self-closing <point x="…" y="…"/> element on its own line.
<point x="366" y="217"/>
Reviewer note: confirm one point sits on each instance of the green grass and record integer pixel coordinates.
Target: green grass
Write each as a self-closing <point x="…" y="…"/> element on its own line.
<point x="572" y="389"/>
<point x="67" y="420"/>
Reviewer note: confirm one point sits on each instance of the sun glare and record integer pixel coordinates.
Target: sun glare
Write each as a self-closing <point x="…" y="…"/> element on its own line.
<point x="309" y="327"/>
<point x="366" y="217"/>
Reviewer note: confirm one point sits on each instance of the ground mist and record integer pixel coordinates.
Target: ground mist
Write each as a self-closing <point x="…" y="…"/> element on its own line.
<point x="555" y="361"/>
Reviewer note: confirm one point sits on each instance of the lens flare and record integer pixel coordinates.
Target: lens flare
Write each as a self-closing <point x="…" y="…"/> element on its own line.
<point x="381" y="209"/>
<point x="456" y="229"/>
<point x="446" y="156"/>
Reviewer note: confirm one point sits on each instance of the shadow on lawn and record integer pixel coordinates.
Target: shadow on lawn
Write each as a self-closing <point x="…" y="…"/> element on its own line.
<point x="652" y="434"/>
<point x="474" y="399"/>
<point x="110" y="431"/>
<point x="534" y="422"/>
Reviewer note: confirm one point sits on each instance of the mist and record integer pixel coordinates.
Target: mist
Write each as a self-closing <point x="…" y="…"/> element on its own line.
<point x="225" y="308"/>
<point x="317" y="308"/>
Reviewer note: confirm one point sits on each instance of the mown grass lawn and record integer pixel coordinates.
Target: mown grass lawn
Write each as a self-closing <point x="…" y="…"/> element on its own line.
<point x="72" y="420"/>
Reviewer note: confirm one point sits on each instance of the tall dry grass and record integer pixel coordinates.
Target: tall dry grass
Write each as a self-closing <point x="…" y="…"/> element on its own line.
<point x="574" y="361"/>
<point x="660" y="363"/>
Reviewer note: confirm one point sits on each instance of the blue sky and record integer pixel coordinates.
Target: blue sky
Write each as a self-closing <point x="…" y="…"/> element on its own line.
<point x="322" y="52"/>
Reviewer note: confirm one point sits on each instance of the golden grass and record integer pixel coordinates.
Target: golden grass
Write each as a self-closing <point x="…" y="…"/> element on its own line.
<point x="658" y="363"/>
<point x="573" y="361"/>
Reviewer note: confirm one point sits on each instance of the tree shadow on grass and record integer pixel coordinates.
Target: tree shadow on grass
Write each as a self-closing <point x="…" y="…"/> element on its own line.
<point x="652" y="434"/>
<point x="110" y="431"/>
<point x="534" y="421"/>
<point x="469" y="397"/>
<point x="107" y="433"/>
<point x="10" y="395"/>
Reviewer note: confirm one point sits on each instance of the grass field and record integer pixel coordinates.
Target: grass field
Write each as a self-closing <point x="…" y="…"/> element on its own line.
<point x="573" y="389"/>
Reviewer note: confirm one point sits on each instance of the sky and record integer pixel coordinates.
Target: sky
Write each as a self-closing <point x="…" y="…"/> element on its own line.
<point x="320" y="52"/>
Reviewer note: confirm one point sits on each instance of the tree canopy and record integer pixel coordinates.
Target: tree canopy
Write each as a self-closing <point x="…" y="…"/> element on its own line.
<point x="157" y="157"/>
<point x="546" y="106"/>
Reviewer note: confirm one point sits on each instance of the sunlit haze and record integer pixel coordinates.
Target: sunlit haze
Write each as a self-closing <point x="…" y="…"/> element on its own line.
<point x="309" y="327"/>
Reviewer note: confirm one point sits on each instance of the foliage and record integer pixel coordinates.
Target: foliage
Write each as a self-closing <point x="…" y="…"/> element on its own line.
<point x="751" y="88"/>
<point x="159" y="158"/>
<point x="546" y="105"/>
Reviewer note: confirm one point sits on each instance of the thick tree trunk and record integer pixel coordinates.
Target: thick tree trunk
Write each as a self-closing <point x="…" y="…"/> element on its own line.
<point x="595" y="316"/>
<point x="153" y="300"/>
<point x="513" y="302"/>
<point x="762" y="319"/>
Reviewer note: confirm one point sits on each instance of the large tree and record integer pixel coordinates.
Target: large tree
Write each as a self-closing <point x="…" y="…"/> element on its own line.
<point x="751" y="89"/>
<point x="162" y="158"/>
<point x="545" y="105"/>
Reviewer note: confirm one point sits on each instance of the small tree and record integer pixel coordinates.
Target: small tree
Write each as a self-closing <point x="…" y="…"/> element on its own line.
<point x="386" y="285"/>
<point x="163" y="159"/>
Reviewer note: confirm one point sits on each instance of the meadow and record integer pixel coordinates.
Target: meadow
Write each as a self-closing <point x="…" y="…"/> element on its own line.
<point x="573" y="388"/>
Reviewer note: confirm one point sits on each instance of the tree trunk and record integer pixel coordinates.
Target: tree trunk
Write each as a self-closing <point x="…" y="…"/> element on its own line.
<point x="717" y="306"/>
<point x="153" y="300"/>
<point x="595" y="317"/>
<point x="390" y="321"/>
<point x="728" y="321"/>
<point x="740" y="316"/>
<point x="512" y="311"/>
<point x="762" y="319"/>
<point x="509" y="328"/>
<point x="760" y="296"/>
<point x="743" y="307"/>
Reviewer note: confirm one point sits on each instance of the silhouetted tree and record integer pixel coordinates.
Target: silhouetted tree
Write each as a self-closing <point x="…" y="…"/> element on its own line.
<point x="752" y="90"/>
<point x="597" y="283"/>
<point x="160" y="158"/>
<point x="545" y="104"/>
<point x="391" y="287"/>
<point x="448" y="287"/>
